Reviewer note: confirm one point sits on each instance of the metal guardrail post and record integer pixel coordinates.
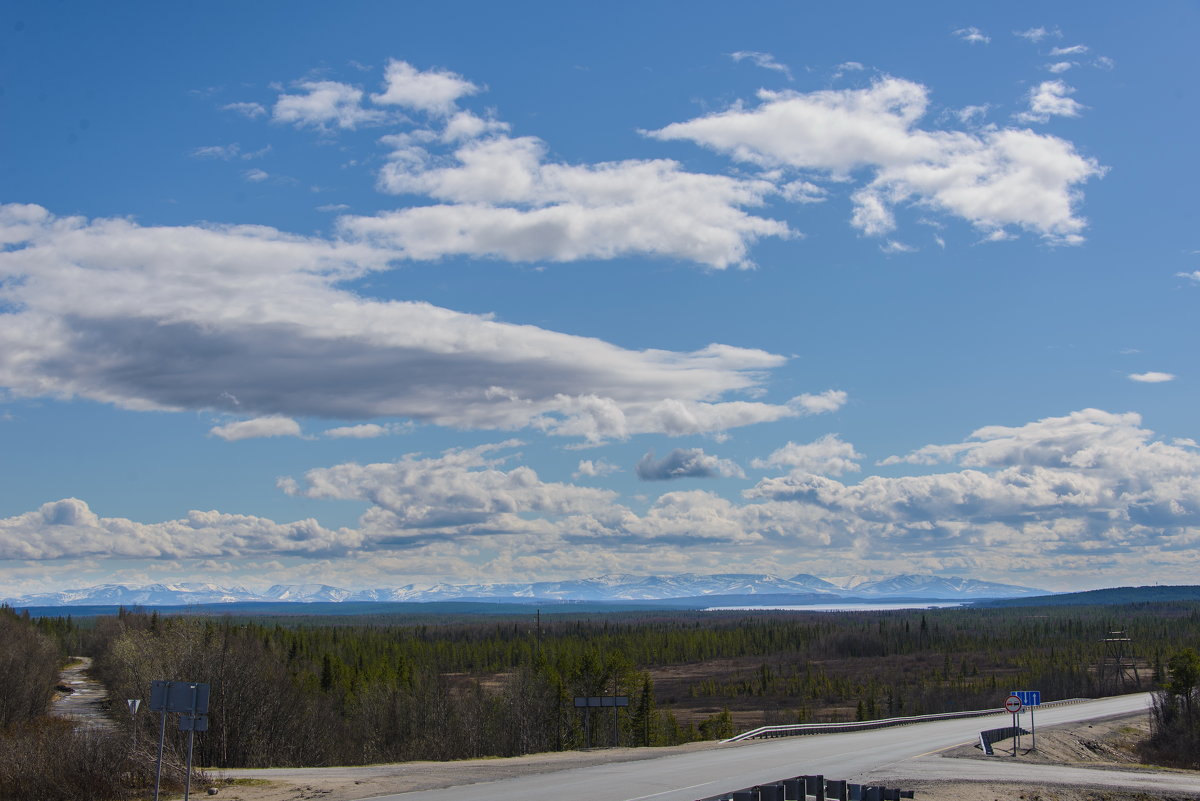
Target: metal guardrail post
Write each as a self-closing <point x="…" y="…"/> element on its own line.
<point x="813" y="788"/>
<point x="770" y="792"/>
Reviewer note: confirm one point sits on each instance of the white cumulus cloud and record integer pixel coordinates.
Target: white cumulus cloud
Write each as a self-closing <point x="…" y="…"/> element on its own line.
<point x="994" y="178"/>
<point x="499" y="197"/>
<point x="70" y="529"/>
<point x="685" y="463"/>
<point x="1050" y="99"/>
<point x="828" y="456"/>
<point x="432" y="91"/>
<point x="594" y="468"/>
<point x="1152" y="377"/>
<point x="361" y="431"/>
<point x="252" y="321"/>
<point x="1091" y="490"/>
<point x="325" y="104"/>
<point x="257" y="428"/>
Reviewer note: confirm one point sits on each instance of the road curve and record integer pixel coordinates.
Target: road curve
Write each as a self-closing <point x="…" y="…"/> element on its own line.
<point x="896" y="753"/>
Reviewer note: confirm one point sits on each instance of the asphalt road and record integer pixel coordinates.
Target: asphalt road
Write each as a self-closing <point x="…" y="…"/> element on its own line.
<point x="866" y="757"/>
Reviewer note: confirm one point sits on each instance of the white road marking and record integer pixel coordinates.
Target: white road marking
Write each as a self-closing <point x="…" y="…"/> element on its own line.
<point x="664" y="792"/>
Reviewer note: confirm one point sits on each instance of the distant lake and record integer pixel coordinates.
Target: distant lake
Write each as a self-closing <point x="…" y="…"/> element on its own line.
<point x="837" y="607"/>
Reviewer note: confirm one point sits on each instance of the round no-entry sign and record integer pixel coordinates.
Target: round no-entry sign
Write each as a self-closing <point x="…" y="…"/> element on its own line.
<point x="1012" y="704"/>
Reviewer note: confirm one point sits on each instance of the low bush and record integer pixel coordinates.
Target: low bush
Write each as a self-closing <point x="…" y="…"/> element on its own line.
<point x="51" y="760"/>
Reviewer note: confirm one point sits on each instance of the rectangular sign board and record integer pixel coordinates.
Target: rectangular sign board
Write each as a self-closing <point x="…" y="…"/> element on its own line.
<point x="193" y="723"/>
<point x="179" y="696"/>
<point x="602" y="700"/>
<point x="1029" y="697"/>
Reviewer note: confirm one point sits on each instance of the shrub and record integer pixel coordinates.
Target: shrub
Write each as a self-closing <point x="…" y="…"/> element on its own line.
<point x="51" y="760"/>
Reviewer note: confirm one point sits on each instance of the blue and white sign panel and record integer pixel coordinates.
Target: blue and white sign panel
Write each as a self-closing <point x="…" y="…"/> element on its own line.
<point x="1029" y="697"/>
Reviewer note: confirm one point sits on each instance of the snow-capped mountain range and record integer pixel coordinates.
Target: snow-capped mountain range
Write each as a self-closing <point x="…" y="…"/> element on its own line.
<point x="617" y="587"/>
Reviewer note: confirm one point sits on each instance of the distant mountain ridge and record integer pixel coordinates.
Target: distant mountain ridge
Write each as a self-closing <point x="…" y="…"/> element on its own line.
<point x="613" y="587"/>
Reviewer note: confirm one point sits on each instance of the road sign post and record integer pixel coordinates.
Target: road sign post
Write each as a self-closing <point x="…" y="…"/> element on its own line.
<point x="162" y="736"/>
<point x="1031" y="699"/>
<point x="133" y="704"/>
<point x="189" y="698"/>
<point x="586" y="702"/>
<point x="1013" y="705"/>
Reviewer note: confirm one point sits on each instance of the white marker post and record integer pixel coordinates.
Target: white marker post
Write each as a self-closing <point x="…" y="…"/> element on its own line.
<point x="133" y="704"/>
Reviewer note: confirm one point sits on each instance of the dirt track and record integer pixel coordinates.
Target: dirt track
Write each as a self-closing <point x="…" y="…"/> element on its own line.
<point x="80" y="697"/>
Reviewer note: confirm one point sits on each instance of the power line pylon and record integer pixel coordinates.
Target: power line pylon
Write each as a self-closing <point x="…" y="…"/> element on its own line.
<point x="1118" y="669"/>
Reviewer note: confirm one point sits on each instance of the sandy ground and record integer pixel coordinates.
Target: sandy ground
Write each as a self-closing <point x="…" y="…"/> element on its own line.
<point x="345" y="784"/>
<point x="1109" y="743"/>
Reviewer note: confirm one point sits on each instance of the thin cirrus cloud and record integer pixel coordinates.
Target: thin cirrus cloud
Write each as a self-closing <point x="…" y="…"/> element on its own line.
<point x="250" y="321"/>
<point x="995" y="178"/>
<point x="1039" y="33"/>
<point x="764" y="60"/>
<point x="248" y="110"/>
<point x="973" y="35"/>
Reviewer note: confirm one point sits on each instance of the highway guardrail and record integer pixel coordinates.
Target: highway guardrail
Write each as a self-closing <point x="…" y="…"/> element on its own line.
<point x="796" y="729"/>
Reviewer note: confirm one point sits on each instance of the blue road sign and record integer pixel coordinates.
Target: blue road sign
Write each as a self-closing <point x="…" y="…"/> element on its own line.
<point x="1029" y="697"/>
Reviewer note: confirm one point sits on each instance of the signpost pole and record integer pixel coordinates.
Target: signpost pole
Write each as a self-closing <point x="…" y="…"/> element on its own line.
<point x="1013" y="704"/>
<point x="162" y="736"/>
<point x="615" y="730"/>
<point x="1031" y="699"/>
<point x="133" y="704"/>
<point x="187" y="780"/>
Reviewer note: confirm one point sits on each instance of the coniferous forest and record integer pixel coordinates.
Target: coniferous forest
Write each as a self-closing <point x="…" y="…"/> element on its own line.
<point x="294" y="690"/>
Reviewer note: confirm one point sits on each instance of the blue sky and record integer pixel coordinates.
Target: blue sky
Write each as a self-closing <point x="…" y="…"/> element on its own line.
<point x="373" y="294"/>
